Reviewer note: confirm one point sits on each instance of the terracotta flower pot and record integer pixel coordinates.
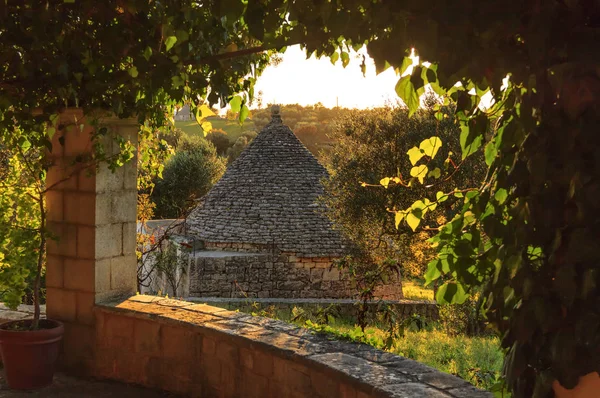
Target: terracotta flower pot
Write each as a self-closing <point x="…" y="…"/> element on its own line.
<point x="30" y="356"/>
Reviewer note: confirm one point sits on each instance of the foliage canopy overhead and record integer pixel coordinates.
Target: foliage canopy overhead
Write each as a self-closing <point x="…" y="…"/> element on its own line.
<point x="528" y="234"/>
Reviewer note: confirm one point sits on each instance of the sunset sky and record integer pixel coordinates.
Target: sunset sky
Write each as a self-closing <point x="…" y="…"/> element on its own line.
<point x="306" y="82"/>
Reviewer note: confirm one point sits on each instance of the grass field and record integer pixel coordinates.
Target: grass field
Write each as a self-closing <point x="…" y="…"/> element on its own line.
<point x="414" y="290"/>
<point x="231" y="127"/>
<point x="475" y="359"/>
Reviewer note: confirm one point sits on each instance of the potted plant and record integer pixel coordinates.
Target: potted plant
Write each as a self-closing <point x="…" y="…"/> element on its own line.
<point x="29" y="347"/>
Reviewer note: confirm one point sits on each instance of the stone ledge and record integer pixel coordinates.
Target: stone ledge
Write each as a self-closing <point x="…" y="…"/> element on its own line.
<point x="22" y="312"/>
<point x="368" y="371"/>
<point x="315" y="301"/>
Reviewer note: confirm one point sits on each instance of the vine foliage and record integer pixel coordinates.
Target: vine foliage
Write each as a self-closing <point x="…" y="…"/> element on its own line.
<point x="528" y="234"/>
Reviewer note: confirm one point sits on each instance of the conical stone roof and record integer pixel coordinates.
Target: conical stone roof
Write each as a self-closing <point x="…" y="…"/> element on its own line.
<point x="268" y="195"/>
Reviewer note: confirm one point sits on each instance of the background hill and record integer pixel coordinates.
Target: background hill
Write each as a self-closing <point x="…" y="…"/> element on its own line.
<point x="311" y="124"/>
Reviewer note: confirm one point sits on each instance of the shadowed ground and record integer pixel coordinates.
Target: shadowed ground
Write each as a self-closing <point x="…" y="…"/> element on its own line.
<point x="65" y="386"/>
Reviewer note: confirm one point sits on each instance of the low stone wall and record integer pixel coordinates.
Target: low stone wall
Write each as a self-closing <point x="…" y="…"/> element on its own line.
<point x="241" y="270"/>
<point x="238" y="247"/>
<point x="345" y="308"/>
<point x="204" y="351"/>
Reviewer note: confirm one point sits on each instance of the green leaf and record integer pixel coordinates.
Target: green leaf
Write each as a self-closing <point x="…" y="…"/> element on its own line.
<point x="235" y="104"/>
<point x="419" y="172"/>
<point x="385" y="182"/>
<point x="414" y="155"/>
<point x="490" y="153"/>
<point x="451" y="293"/>
<point x="419" y="204"/>
<point x="469" y="141"/>
<point x="177" y="81"/>
<point x="501" y="195"/>
<point x="406" y="62"/>
<point x="443" y="296"/>
<point x="244" y="113"/>
<point x="182" y="35"/>
<point x="431" y="146"/>
<point x="133" y="72"/>
<point x="406" y="91"/>
<point x="170" y="42"/>
<point x="147" y="53"/>
<point x="441" y="197"/>
<point x="429" y="205"/>
<point x="24" y="143"/>
<point x="433" y="272"/>
<point x="345" y="58"/>
<point x="334" y="57"/>
<point x="435" y="173"/>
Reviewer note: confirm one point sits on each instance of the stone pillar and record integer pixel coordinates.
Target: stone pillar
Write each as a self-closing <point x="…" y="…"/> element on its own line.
<point x="92" y="215"/>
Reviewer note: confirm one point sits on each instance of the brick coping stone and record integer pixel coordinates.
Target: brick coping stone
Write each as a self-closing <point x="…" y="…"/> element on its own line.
<point x="383" y="373"/>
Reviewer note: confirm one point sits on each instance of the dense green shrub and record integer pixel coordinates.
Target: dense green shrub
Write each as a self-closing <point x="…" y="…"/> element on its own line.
<point x="462" y="319"/>
<point x="369" y="144"/>
<point x="188" y="175"/>
<point x="220" y="140"/>
<point x="238" y="147"/>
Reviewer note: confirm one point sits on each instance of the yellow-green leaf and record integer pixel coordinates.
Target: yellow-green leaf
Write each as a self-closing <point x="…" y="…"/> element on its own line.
<point x="419" y="204"/>
<point x="435" y="173"/>
<point x="431" y="146"/>
<point x="133" y="72"/>
<point x="441" y="197"/>
<point x="205" y="111"/>
<point x="334" y="57"/>
<point x="501" y="195"/>
<point x="206" y="127"/>
<point x="147" y="53"/>
<point x="419" y="172"/>
<point x="398" y="218"/>
<point x="170" y="42"/>
<point x="414" y="155"/>
<point x="385" y="182"/>
<point x="413" y="221"/>
<point x="406" y="90"/>
<point x="345" y="59"/>
<point x="236" y="104"/>
<point x="243" y="113"/>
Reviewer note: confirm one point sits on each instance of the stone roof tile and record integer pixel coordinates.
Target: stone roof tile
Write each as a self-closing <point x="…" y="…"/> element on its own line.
<point x="268" y="195"/>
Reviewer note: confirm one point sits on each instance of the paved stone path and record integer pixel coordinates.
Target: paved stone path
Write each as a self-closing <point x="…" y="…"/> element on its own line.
<point x="69" y="387"/>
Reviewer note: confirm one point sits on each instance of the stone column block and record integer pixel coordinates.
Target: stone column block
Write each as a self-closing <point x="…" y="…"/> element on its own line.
<point x="61" y="304"/>
<point x="79" y="274"/>
<point x="89" y="214"/>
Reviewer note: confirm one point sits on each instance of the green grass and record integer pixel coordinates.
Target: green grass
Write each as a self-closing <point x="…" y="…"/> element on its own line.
<point x="478" y="360"/>
<point x="414" y="290"/>
<point x="231" y="127"/>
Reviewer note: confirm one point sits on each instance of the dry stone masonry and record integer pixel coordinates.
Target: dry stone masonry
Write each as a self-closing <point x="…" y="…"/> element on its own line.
<point x="267" y="206"/>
